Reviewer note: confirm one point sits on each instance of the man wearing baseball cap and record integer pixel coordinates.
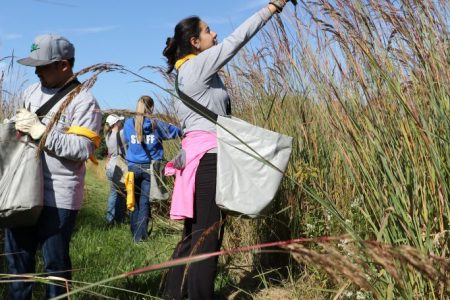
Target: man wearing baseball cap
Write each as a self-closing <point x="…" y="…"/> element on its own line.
<point x="69" y="143"/>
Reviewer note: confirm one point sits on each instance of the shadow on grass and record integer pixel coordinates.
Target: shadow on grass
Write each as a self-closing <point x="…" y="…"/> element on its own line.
<point x="91" y="219"/>
<point x="252" y="282"/>
<point x="132" y="288"/>
<point x="273" y="266"/>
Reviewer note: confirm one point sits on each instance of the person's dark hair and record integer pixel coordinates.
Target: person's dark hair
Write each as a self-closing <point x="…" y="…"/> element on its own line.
<point x="179" y="45"/>
<point x="71" y="61"/>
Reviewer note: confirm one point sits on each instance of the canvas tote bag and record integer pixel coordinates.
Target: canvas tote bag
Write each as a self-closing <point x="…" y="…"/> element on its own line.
<point x="121" y="166"/>
<point x="250" y="162"/>
<point x="158" y="190"/>
<point x="250" y="165"/>
<point x="120" y="170"/>
<point x="21" y="174"/>
<point x="22" y="180"/>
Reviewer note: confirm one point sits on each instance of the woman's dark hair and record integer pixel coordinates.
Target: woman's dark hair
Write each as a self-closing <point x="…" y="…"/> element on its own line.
<point x="179" y="45"/>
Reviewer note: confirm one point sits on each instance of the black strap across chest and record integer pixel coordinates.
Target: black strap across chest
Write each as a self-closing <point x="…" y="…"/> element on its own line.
<point x="44" y="109"/>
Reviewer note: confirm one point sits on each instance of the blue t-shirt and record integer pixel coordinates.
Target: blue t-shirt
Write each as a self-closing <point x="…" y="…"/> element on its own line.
<point x="151" y="148"/>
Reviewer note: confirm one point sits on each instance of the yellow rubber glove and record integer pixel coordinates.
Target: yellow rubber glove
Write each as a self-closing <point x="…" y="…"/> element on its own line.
<point x="86" y="132"/>
<point x="28" y="122"/>
<point x="129" y="187"/>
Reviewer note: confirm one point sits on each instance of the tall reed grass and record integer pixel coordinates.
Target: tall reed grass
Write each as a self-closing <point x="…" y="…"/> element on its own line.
<point x="12" y="82"/>
<point x="364" y="87"/>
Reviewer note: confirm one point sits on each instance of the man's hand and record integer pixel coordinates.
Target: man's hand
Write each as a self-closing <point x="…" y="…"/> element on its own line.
<point x="279" y="4"/>
<point x="28" y="122"/>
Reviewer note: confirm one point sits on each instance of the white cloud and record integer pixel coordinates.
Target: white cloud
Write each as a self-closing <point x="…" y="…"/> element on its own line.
<point x="95" y="29"/>
<point x="11" y="36"/>
<point x="251" y="5"/>
<point x="58" y="3"/>
<point x="240" y="12"/>
<point x="217" y="20"/>
<point x="211" y="21"/>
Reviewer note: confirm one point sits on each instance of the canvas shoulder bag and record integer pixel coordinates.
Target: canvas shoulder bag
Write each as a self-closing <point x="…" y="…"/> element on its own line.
<point x="158" y="185"/>
<point x="21" y="174"/>
<point x="121" y="167"/>
<point x="250" y="161"/>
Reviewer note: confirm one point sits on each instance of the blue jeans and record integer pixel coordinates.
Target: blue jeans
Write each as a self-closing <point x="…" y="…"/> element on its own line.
<point x="52" y="233"/>
<point x="116" y="201"/>
<point x="140" y="216"/>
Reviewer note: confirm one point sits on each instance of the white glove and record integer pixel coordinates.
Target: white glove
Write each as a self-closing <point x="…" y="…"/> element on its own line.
<point x="279" y="4"/>
<point x="28" y="122"/>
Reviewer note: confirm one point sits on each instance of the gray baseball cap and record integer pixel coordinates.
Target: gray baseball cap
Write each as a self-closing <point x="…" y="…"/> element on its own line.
<point x="48" y="48"/>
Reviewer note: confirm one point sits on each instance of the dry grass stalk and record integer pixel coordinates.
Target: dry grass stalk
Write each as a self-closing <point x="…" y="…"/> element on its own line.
<point x="383" y="255"/>
<point x="216" y="228"/>
<point x="435" y="268"/>
<point x="11" y="85"/>
<point x="87" y="84"/>
<point x="337" y="265"/>
<point x="396" y="261"/>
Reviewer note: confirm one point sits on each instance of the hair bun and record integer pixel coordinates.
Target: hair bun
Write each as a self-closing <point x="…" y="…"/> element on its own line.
<point x="169" y="41"/>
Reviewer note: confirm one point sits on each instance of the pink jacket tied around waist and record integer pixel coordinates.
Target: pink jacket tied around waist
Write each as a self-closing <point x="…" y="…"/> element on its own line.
<point x="196" y="144"/>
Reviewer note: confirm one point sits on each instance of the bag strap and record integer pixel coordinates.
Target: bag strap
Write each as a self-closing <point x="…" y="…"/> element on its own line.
<point x="195" y="106"/>
<point x="120" y="144"/>
<point x="44" y="109"/>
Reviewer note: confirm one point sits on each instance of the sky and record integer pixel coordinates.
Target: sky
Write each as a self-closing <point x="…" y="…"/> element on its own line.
<point x="132" y="33"/>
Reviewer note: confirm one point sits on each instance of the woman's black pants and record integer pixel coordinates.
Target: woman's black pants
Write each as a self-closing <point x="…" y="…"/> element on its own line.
<point x="202" y="234"/>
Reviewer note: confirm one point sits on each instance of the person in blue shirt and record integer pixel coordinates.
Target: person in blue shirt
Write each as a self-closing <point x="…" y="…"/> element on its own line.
<point x="144" y="135"/>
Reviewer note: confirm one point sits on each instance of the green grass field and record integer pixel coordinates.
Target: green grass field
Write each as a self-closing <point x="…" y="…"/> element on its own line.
<point x="99" y="252"/>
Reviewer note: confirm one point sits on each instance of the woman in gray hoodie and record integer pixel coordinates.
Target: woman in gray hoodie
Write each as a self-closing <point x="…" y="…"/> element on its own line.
<point x="114" y="139"/>
<point x="197" y="57"/>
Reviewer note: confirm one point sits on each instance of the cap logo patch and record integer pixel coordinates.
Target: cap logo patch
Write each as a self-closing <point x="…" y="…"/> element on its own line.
<point x="34" y="47"/>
